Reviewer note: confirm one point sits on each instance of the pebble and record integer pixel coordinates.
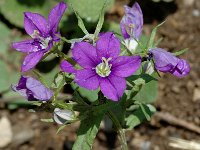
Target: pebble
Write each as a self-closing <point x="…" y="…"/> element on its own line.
<point x="21" y="136"/>
<point x="196" y="94"/>
<point x="176" y="89"/>
<point x="6" y="134"/>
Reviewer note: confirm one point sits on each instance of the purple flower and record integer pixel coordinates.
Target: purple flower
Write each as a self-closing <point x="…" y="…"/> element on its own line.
<point x="32" y="89"/>
<point x="167" y="62"/>
<point x="43" y="33"/>
<point x="102" y="66"/>
<point x="132" y="22"/>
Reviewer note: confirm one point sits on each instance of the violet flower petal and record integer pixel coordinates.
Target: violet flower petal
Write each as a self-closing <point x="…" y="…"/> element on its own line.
<point x="85" y="55"/>
<point x="124" y="66"/>
<point x="22" y="92"/>
<point x="39" y="91"/>
<point x="31" y="60"/>
<point x="55" y="16"/>
<point x="167" y="62"/>
<point x="67" y="67"/>
<point x="32" y="89"/>
<point x="132" y="21"/>
<point x="87" y="78"/>
<point x="113" y="87"/>
<point x="164" y="61"/>
<point x="35" y="21"/>
<point x="25" y="46"/>
<point x="108" y="45"/>
<point x="182" y="69"/>
<point x="22" y="83"/>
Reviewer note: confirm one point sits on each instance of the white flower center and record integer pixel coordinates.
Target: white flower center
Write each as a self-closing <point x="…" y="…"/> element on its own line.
<point x="44" y="41"/>
<point x="104" y="69"/>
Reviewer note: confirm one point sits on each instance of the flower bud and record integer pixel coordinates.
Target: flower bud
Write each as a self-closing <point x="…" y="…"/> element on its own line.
<point x="62" y="116"/>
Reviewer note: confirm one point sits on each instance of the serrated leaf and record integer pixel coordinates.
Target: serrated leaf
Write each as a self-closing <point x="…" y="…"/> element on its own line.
<point x="152" y="36"/>
<point x="87" y="132"/>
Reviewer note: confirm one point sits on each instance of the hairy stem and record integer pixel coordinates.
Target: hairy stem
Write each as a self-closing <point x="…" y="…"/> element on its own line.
<point x="122" y="136"/>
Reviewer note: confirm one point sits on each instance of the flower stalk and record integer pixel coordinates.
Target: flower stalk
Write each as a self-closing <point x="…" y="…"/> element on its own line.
<point x="118" y="127"/>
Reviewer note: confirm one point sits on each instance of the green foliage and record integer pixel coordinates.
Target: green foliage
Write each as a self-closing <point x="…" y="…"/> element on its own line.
<point x="88" y="94"/>
<point x="13" y="9"/>
<point x="90" y="9"/>
<point x="80" y="22"/>
<point x="150" y="43"/>
<point x="9" y="60"/>
<point x="143" y="88"/>
<point x="87" y="132"/>
<point x="101" y="20"/>
<point x="136" y="117"/>
<point x="180" y="52"/>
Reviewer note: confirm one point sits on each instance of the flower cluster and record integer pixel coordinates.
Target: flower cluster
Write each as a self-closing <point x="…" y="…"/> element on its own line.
<point x="43" y="33"/>
<point x="101" y="65"/>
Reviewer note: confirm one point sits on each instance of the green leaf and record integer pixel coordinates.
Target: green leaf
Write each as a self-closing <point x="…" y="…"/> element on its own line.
<point x="147" y="92"/>
<point x="13" y="10"/>
<point x="89" y="9"/>
<point x="47" y="120"/>
<point x="101" y="21"/>
<point x="4" y="38"/>
<point x="87" y="132"/>
<point x="138" y="116"/>
<point x="59" y="80"/>
<point x="49" y="76"/>
<point x="112" y="26"/>
<point x="9" y="60"/>
<point x="88" y="94"/>
<point x="80" y="22"/>
<point x="180" y="52"/>
<point x="152" y="36"/>
<point x="77" y="98"/>
<point x="60" y="128"/>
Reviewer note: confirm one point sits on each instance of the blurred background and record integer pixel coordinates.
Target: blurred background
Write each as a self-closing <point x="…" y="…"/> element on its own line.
<point x="176" y="125"/>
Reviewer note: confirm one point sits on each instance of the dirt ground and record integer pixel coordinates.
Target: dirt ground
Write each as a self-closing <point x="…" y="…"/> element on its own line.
<point x="178" y="97"/>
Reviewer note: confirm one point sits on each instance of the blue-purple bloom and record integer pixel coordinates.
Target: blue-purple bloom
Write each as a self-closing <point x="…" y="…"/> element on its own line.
<point x="167" y="62"/>
<point x="131" y="25"/>
<point x="43" y="33"/>
<point x="102" y="66"/>
<point x="32" y="89"/>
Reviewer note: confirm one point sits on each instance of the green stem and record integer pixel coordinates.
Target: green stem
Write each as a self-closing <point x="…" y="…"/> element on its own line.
<point x="122" y="136"/>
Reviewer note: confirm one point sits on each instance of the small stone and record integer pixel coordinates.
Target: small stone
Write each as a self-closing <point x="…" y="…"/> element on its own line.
<point x="196" y="13"/>
<point x="21" y="136"/>
<point x="176" y="89"/>
<point x="6" y="134"/>
<point x="196" y="94"/>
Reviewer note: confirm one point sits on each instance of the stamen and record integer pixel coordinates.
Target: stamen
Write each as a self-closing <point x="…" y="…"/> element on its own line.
<point x="104" y="69"/>
<point x="44" y="41"/>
